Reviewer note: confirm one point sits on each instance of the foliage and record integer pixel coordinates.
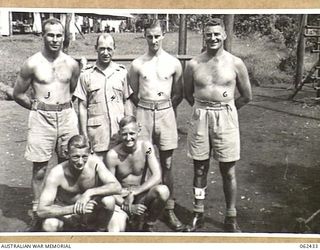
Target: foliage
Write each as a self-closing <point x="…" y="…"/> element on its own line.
<point x="282" y="29"/>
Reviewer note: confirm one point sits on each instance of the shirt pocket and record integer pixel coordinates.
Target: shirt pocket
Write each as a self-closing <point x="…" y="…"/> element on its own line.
<point x="117" y="95"/>
<point x="95" y="121"/>
<point x="93" y="91"/>
<point x="94" y="109"/>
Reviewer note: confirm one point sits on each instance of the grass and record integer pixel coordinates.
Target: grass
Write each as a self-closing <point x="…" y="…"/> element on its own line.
<point x="259" y="54"/>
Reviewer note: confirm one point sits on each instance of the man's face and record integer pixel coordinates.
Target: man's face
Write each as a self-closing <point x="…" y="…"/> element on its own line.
<point x="53" y="37"/>
<point x="78" y="157"/>
<point x="105" y="49"/>
<point x="214" y="37"/>
<point x="129" y="134"/>
<point x="154" y="38"/>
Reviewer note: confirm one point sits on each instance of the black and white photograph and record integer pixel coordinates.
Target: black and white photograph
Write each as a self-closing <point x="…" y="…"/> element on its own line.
<point x="160" y="121"/>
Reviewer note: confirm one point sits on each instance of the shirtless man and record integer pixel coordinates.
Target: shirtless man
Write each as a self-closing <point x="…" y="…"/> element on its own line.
<point x="210" y="82"/>
<point x="53" y="77"/>
<point x="156" y="79"/>
<point x="130" y="161"/>
<point x="79" y="190"/>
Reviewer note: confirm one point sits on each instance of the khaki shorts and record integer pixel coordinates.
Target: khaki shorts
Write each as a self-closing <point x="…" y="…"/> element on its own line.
<point x="214" y="126"/>
<point x="50" y="131"/>
<point x="158" y="126"/>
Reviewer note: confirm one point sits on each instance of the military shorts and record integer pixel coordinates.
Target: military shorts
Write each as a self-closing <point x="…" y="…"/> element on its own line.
<point x="50" y="131"/>
<point x="214" y="127"/>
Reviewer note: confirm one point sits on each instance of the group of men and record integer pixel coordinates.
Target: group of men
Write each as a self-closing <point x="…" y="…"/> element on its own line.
<point x="108" y="173"/>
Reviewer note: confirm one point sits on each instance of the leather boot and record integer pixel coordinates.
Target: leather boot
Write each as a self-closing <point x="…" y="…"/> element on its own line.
<point x="173" y="222"/>
<point x="197" y="222"/>
<point x="231" y="225"/>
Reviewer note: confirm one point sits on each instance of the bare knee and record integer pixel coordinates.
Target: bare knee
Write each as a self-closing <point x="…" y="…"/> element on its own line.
<point x="162" y="192"/>
<point x="52" y="225"/>
<point x="39" y="170"/>
<point x="108" y="202"/>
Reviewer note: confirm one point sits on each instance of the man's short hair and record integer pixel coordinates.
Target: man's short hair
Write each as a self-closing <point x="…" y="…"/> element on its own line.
<point x="153" y="23"/>
<point x="214" y="22"/>
<point x="78" y="141"/>
<point x="127" y="120"/>
<point x="51" y="21"/>
<point x="105" y="36"/>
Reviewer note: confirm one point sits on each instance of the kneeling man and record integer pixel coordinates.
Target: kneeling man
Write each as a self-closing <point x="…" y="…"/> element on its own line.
<point x="78" y="192"/>
<point x="136" y="167"/>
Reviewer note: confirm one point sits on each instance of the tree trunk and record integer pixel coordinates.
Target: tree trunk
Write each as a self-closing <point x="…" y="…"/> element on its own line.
<point x="300" y="51"/>
<point x="228" y="22"/>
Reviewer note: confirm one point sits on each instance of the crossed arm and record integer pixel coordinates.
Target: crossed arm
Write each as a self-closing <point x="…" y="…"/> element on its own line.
<point x="84" y="202"/>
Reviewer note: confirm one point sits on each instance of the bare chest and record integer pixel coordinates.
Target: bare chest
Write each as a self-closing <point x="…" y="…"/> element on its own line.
<point x="79" y="185"/>
<point x="131" y="165"/>
<point x="47" y="73"/>
<point x="220" y="74"/>
<point x="156" y="70"/>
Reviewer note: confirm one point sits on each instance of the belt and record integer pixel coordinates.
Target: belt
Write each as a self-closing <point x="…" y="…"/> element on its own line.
<point x="38" y="105"/>
<point x="155" y="105"/>
<point x="211" y="105"/>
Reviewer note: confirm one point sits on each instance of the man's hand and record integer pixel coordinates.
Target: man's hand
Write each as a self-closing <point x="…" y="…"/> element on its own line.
<point x="85" y="209"/>
<point x="83" y="204"/>
<point x="138" y="209"/>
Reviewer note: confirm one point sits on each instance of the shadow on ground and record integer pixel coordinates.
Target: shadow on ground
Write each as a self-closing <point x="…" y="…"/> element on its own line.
<point x="293" y="191"/>
<point x="15" y="202"/>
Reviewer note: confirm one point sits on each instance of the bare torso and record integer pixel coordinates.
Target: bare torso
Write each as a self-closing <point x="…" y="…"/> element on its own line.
<point x="155" y="76"/>
<point x="70" y="188"/>
<point x="130" y="167"/>
<point x="214" y="79"/>
<point x="51" y="80"/>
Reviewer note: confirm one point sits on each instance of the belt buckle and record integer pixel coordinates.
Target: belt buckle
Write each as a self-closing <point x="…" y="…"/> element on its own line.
<point x="59" y="107"/>
<point x="34" y="104"/>
<point x="155" y="106"/>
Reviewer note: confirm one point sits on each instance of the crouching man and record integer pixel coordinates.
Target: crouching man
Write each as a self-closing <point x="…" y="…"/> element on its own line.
<point x="136" y="167"/>
<point x="78" y="192"/>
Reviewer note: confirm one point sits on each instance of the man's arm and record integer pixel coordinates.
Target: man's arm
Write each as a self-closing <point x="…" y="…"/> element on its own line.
<point x="47" y="208"/>
<point x="177" y="86"/>
<point x="75" y="76"/>
<point x="110" y="185"/>
<point x="127" y="92"/>
<point x="83" y="117"/>
<point x="22" y="84"/>
<point x="133" y="80"/>
<point x="243" y="84"/>
<point x="188" y="83"/>
<point x="81" y="93"/>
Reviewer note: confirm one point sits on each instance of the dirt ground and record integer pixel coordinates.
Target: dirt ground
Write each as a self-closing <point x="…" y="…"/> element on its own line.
<point x="278" y="175"/>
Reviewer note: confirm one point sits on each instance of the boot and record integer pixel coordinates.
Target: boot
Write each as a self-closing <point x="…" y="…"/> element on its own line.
<point x="197" y="222"/>
<point x="173" y="222"/>
<point x="231" y="225"/>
